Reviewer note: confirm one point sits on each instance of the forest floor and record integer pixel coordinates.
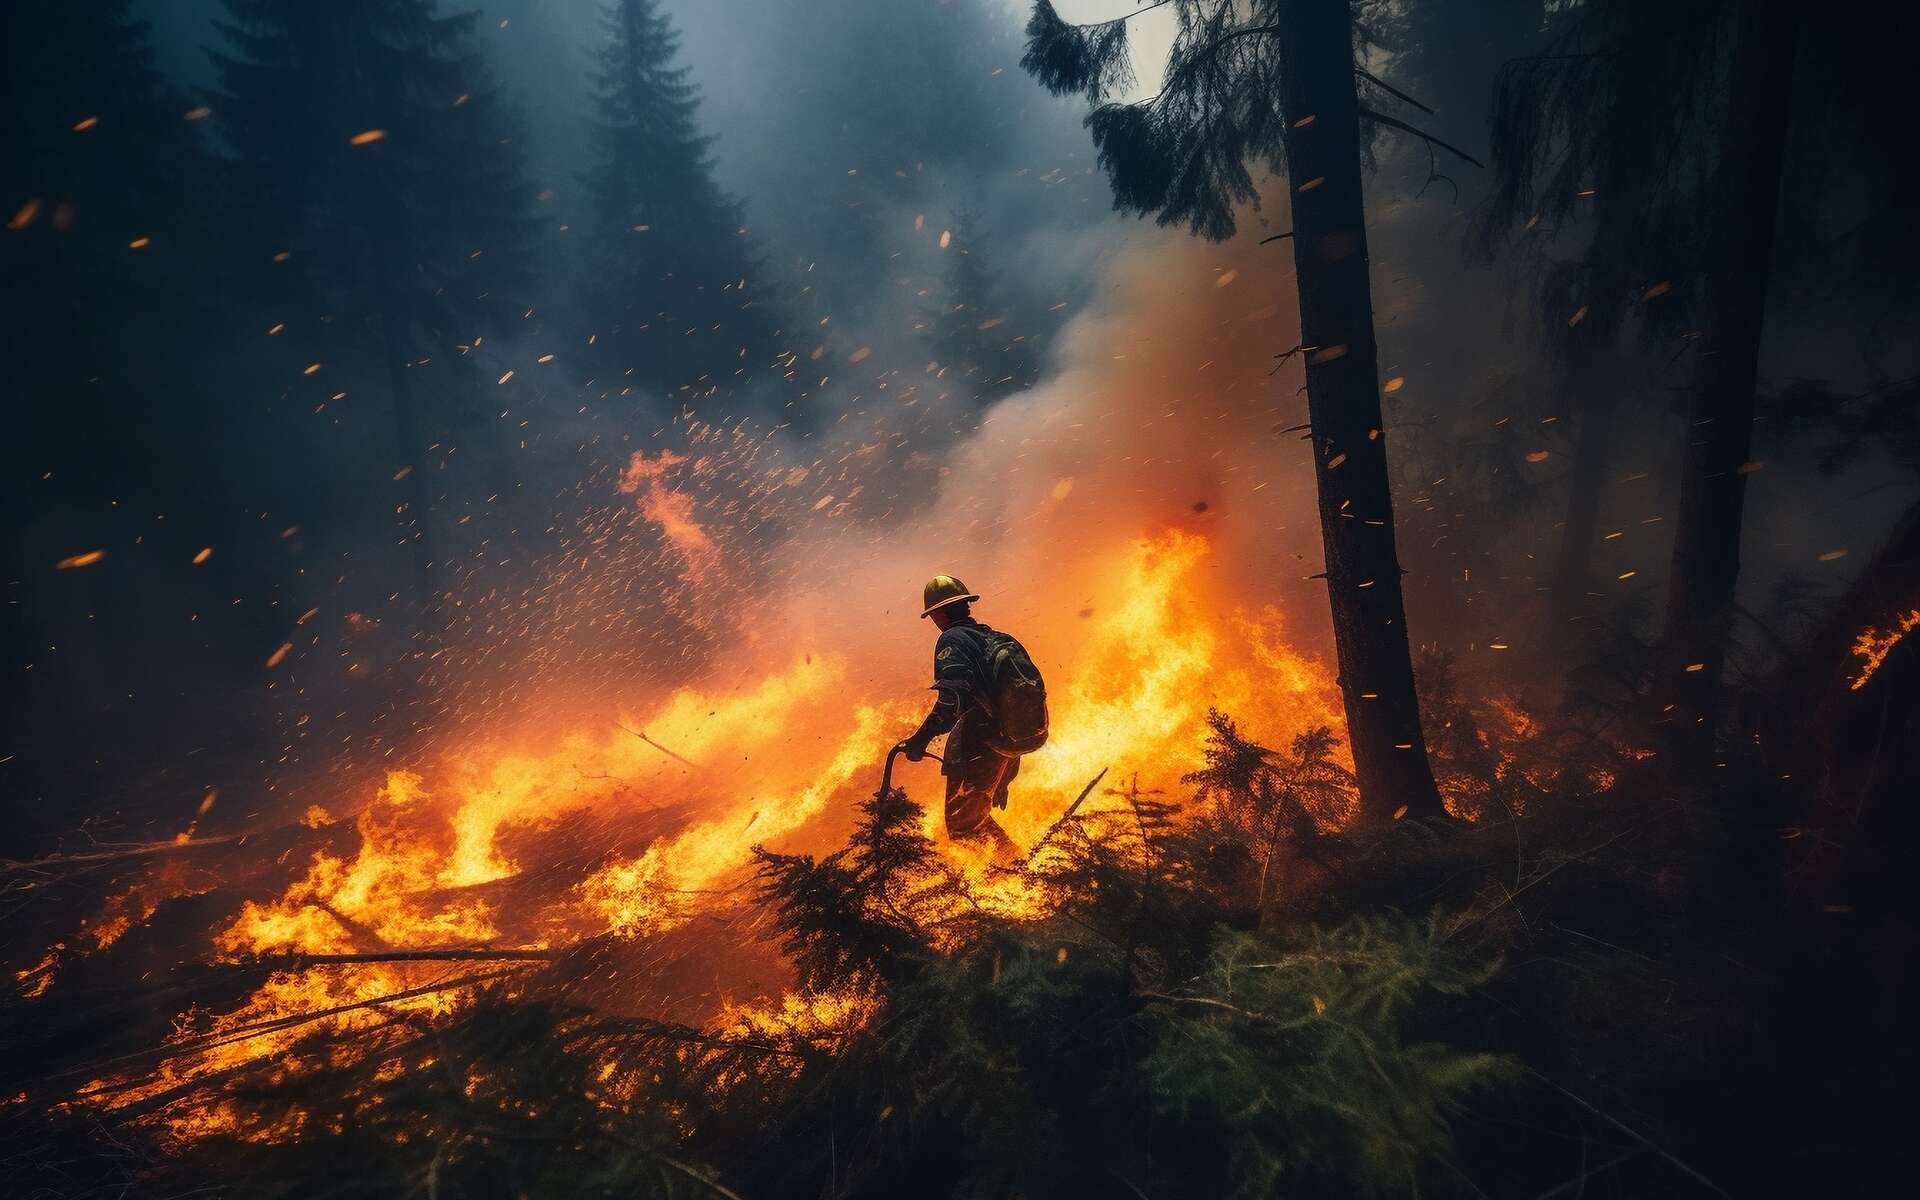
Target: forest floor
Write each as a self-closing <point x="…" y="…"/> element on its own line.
<point x="1604" y="981"/>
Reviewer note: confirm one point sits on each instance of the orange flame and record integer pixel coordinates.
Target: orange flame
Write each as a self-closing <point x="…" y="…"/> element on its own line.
<point x="671" y="510"/>
<point x="1127" y="528"/>
<point x="1873" y="645"/>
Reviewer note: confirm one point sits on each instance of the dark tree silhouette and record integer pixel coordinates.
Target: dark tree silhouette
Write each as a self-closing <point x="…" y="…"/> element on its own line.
<point x="376" y="195"/>
<point x="1595" y="139"/>
<point x="105" y="309"/>
<point x="103" y="177"/>
<point x="1274" y="86"/>
<point x="1684" y="110"/>
<point x="1670" y="120"/>
<point x="970" y="328"/>
<point x="1719" y="430"/>
<point x="673" y="274"/>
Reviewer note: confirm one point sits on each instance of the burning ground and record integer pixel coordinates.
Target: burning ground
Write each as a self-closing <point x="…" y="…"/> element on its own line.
<point x="1127" y="519"/>
<point x="631" y="913"/>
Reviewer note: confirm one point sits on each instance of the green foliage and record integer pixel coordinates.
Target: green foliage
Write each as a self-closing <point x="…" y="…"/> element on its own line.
<point x="1266" y="800"/>
<point x="1301" y="1052"/>
<point x="852" y="915"/>
<point x="1017" y="1059"/>
<point x="1144" y="1036"/>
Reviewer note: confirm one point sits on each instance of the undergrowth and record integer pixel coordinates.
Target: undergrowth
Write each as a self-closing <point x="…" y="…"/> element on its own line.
<point x="1229" y="998"/>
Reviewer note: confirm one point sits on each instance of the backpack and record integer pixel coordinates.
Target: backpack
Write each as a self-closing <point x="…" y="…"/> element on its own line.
<point x="1017" y="697"/>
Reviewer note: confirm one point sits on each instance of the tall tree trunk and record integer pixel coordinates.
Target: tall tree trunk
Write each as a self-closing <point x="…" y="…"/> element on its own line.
<point x="1706" y="548"/>
<point x="1343" y="408"/>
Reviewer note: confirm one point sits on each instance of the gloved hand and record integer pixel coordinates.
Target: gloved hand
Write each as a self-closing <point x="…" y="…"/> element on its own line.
<point x="914" y="748"/>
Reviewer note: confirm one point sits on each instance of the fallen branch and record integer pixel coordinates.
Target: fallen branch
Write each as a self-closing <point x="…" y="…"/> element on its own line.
<point x="139" y="850"/>
<point x="1210" y="1002"/>
<point x="1692" y="1174"/>
<point x="694" y="1175"/>
<point x="447" y="954"/>
<point x="1071" y="809"/>
<point x="227" y="1037"/>
<point x="662" y="749"/>
<point x="606" y="1027"/>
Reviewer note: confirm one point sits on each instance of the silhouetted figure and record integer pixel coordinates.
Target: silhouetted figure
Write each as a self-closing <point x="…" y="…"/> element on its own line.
<point x="991" y="704"/>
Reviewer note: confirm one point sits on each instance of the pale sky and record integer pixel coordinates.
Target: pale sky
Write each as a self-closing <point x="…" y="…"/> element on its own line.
<point x="1149" y="35"/>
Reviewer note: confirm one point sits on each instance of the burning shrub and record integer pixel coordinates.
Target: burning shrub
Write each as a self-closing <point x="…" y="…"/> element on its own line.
<point x="1264" y="800"/>
<point x="863" y="912"/>
<point x="1174" y="1001"/>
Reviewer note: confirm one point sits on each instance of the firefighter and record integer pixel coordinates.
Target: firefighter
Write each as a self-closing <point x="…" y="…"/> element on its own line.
<point x="977" y="774"/>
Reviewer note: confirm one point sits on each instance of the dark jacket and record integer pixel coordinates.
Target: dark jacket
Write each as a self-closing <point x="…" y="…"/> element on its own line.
<point x="962" y="673"/>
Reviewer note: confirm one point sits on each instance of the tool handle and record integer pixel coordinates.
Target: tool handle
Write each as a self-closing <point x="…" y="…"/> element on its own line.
<point x="886" y="773"/>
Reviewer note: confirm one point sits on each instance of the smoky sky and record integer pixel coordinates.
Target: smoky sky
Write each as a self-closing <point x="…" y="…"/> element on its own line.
<point x="837" y="123"/>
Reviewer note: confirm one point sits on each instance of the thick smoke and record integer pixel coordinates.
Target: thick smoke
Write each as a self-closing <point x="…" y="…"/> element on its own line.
<point x="1162" y="411"/>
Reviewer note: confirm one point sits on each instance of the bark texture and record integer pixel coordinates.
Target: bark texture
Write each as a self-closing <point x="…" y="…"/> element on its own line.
<point x="1343" y="408"/>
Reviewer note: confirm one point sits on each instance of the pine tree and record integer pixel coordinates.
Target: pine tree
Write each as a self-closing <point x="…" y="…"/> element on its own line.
<point x="1751" y="150"/>
<point x="1267" y="800"/>
<point x="1675" y="116"/>
<point x="103" y="171"/>
<point x="105" y="302"/>
<point x="863" y="913"/>
<point x="676" y="295"/>
<point x="376" y="195"/>
<point x="1597" y="141"/>
<point x="1274" y="85"/>
<point x="100" y="261"/>
<point x="970" y="329"/>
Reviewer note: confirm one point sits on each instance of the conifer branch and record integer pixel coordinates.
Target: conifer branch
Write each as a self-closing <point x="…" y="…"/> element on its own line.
<point x="1065" y="816"/>
<point x="1369" y="114"/>
<point x="1384" y="86"/>
<point x="120" y="854"/>
<point x="1205" y="54"/>
<point x="1145" y="8"/>
<point x="672" y="1032"/>
<point x="690" y="1173"/>
<point x="241" y="1033"/>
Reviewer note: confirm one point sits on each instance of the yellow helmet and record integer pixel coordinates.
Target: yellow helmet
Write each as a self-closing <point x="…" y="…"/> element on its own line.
<point x="943" y="590"/>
